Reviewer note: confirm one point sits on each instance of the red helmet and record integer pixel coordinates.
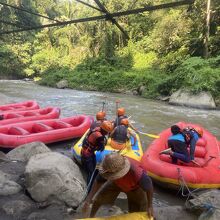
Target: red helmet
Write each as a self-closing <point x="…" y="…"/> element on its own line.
<point x="125" y="122"/>
<point x="107" y="126"/>
<point x="121" y="111"/>
<point x="100" y="115"/>
<point x="199" y="131"/>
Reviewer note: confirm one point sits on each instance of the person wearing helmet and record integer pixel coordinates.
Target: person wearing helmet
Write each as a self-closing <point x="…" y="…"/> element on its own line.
<point x="94" y="141"/>
<point x="120" y="116"/>
<point x="180" y="141"/>
<point x="100" y="117"/>
<point x="117" y="174"/>
<point x="120" y="135"/>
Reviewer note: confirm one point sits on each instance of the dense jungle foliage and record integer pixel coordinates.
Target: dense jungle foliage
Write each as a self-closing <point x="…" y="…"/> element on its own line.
<point x="166" y="50"/>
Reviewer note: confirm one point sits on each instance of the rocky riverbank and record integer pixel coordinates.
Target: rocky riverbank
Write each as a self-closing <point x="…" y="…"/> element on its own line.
<point x="36" y="184"/>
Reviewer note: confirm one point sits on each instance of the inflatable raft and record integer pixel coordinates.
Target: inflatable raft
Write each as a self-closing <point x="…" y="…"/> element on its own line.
<point x="30" y="115"/>
<point x="133" y="150"/>
<point x="205" y="173"/>
<point x="46" y="131"/>
<point x="20" y="106"/>
<point x="134" y="216"/>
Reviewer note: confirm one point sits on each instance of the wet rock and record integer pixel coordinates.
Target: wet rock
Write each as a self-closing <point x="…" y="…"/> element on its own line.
<point x="109" y="211"/>
<point x="163" y="98"/>
<point x="206" y="204"/>
<point x="54" y="177"/>
<point x="7" y="186"/>
<point x="18" y="207"/>
<point x="26" y="151"/>
<point x="53" y="212"/>
<point x="141" y="90"/>
<point x="62" y="84"/>
<point x="3" y="157"/>
<point x="201" y="100"/>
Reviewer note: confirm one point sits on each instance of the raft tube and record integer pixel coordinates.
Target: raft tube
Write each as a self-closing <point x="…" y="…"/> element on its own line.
<point x="29" y="115"/>
<point x="46" y="131"/>
<point x="20" y="106"/>
<point x="134" y="216"/>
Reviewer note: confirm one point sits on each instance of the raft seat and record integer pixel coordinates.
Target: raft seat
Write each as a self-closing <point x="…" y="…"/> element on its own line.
<point x="13" y="115"/>
<point x="201" y="142"/>
<point x="17" y="131"/>
<point x="30" y="114"/>
<point x="40" y="127"/>
<point x="61" y="124"/>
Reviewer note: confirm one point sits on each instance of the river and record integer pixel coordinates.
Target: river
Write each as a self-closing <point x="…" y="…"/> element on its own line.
<point x="146" y="115"/>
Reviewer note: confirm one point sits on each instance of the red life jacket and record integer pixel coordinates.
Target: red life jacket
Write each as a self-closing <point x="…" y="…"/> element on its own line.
<point x="131" y="180"/>
<point x="89" y="145"/>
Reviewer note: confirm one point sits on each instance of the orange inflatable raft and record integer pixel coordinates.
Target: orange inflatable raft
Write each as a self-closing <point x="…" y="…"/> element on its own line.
<point x="205" y="173"/>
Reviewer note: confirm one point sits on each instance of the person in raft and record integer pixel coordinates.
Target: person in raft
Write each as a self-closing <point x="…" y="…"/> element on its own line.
<point x="120" y="135"/>
<point x="121" y="115"/>
<point x="94" y="141"/>
<point x="117" y="174"/>
<point x="180" y="141"/>
<point x="100" y="117"/>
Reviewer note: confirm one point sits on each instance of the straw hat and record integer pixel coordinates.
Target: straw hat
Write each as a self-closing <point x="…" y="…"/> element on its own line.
<point x="114" y="166"/>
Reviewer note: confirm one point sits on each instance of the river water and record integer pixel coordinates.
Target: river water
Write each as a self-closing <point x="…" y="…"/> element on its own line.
<point x="146" y="115"/>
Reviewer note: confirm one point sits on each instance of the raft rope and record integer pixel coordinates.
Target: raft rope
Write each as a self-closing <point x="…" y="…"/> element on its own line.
<point x="208" y="206"/>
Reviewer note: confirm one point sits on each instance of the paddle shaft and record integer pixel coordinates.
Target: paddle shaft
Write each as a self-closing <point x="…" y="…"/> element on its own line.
<point x="149" y="135"/>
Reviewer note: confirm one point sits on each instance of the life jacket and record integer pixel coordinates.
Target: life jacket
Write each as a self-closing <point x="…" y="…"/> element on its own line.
<point x="131" y="180"/>
<point x="188" y="134"/>
<point x="118" y="120"/>
<point x="120" y="134"/>
<point x="89" y="145"/>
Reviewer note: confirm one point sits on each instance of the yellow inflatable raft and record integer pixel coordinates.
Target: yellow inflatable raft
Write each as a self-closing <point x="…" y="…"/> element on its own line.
<point x="130" y="216"/>
<point x="132" y="150"/>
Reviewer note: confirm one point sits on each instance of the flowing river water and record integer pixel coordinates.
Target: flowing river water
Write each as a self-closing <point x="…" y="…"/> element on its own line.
<point x="146" y="115"/>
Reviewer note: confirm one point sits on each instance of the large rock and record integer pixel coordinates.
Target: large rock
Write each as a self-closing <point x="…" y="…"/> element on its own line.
<point x="62" y="84"/>
<point x="7" y="186"/>
<point x="206" y="204"/>
<point x="201" y="100"/>
<point x="3" y="157"/>
<point x="54" y="177"/>
<point x="26" y="151"/>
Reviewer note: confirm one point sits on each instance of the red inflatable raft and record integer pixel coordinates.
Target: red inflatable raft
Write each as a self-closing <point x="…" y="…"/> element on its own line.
<point x="46" y="131"/>
<point x="31" y="115"/>
<point x="163" y="172"/>
<point x="27" y="105"/>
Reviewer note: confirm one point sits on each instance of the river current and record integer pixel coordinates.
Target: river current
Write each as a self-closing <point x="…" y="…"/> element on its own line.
<point x="146" y="115"/>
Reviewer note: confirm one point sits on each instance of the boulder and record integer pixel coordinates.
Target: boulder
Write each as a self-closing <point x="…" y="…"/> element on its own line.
<point x="7" y="186"/>
<point x="26" y="151"/>
<point x="62" y="84"/>
<point x="201" y="100"/>
<point x="18" y="207"/>
<point x="206" y="204"/>
<point x="3" y="157"/>
<point x="53" y="177"/>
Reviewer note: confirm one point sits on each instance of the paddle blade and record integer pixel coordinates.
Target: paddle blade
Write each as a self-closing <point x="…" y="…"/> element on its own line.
<point x="149" y="135"/>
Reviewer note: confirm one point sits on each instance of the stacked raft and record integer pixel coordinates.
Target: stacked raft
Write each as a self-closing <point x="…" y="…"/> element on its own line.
<point x="26" y="122"/>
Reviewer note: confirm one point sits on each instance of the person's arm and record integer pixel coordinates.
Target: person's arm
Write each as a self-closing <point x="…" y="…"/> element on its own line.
<point x="95" y="187"/>
<point x="193" y="141"/>
<point x="133" y="128"/>
<point x="147" y="185"/>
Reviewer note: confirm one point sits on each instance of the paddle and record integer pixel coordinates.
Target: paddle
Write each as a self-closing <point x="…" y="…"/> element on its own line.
<point x="149" y="135"/>
<point x="116" y="111"/>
